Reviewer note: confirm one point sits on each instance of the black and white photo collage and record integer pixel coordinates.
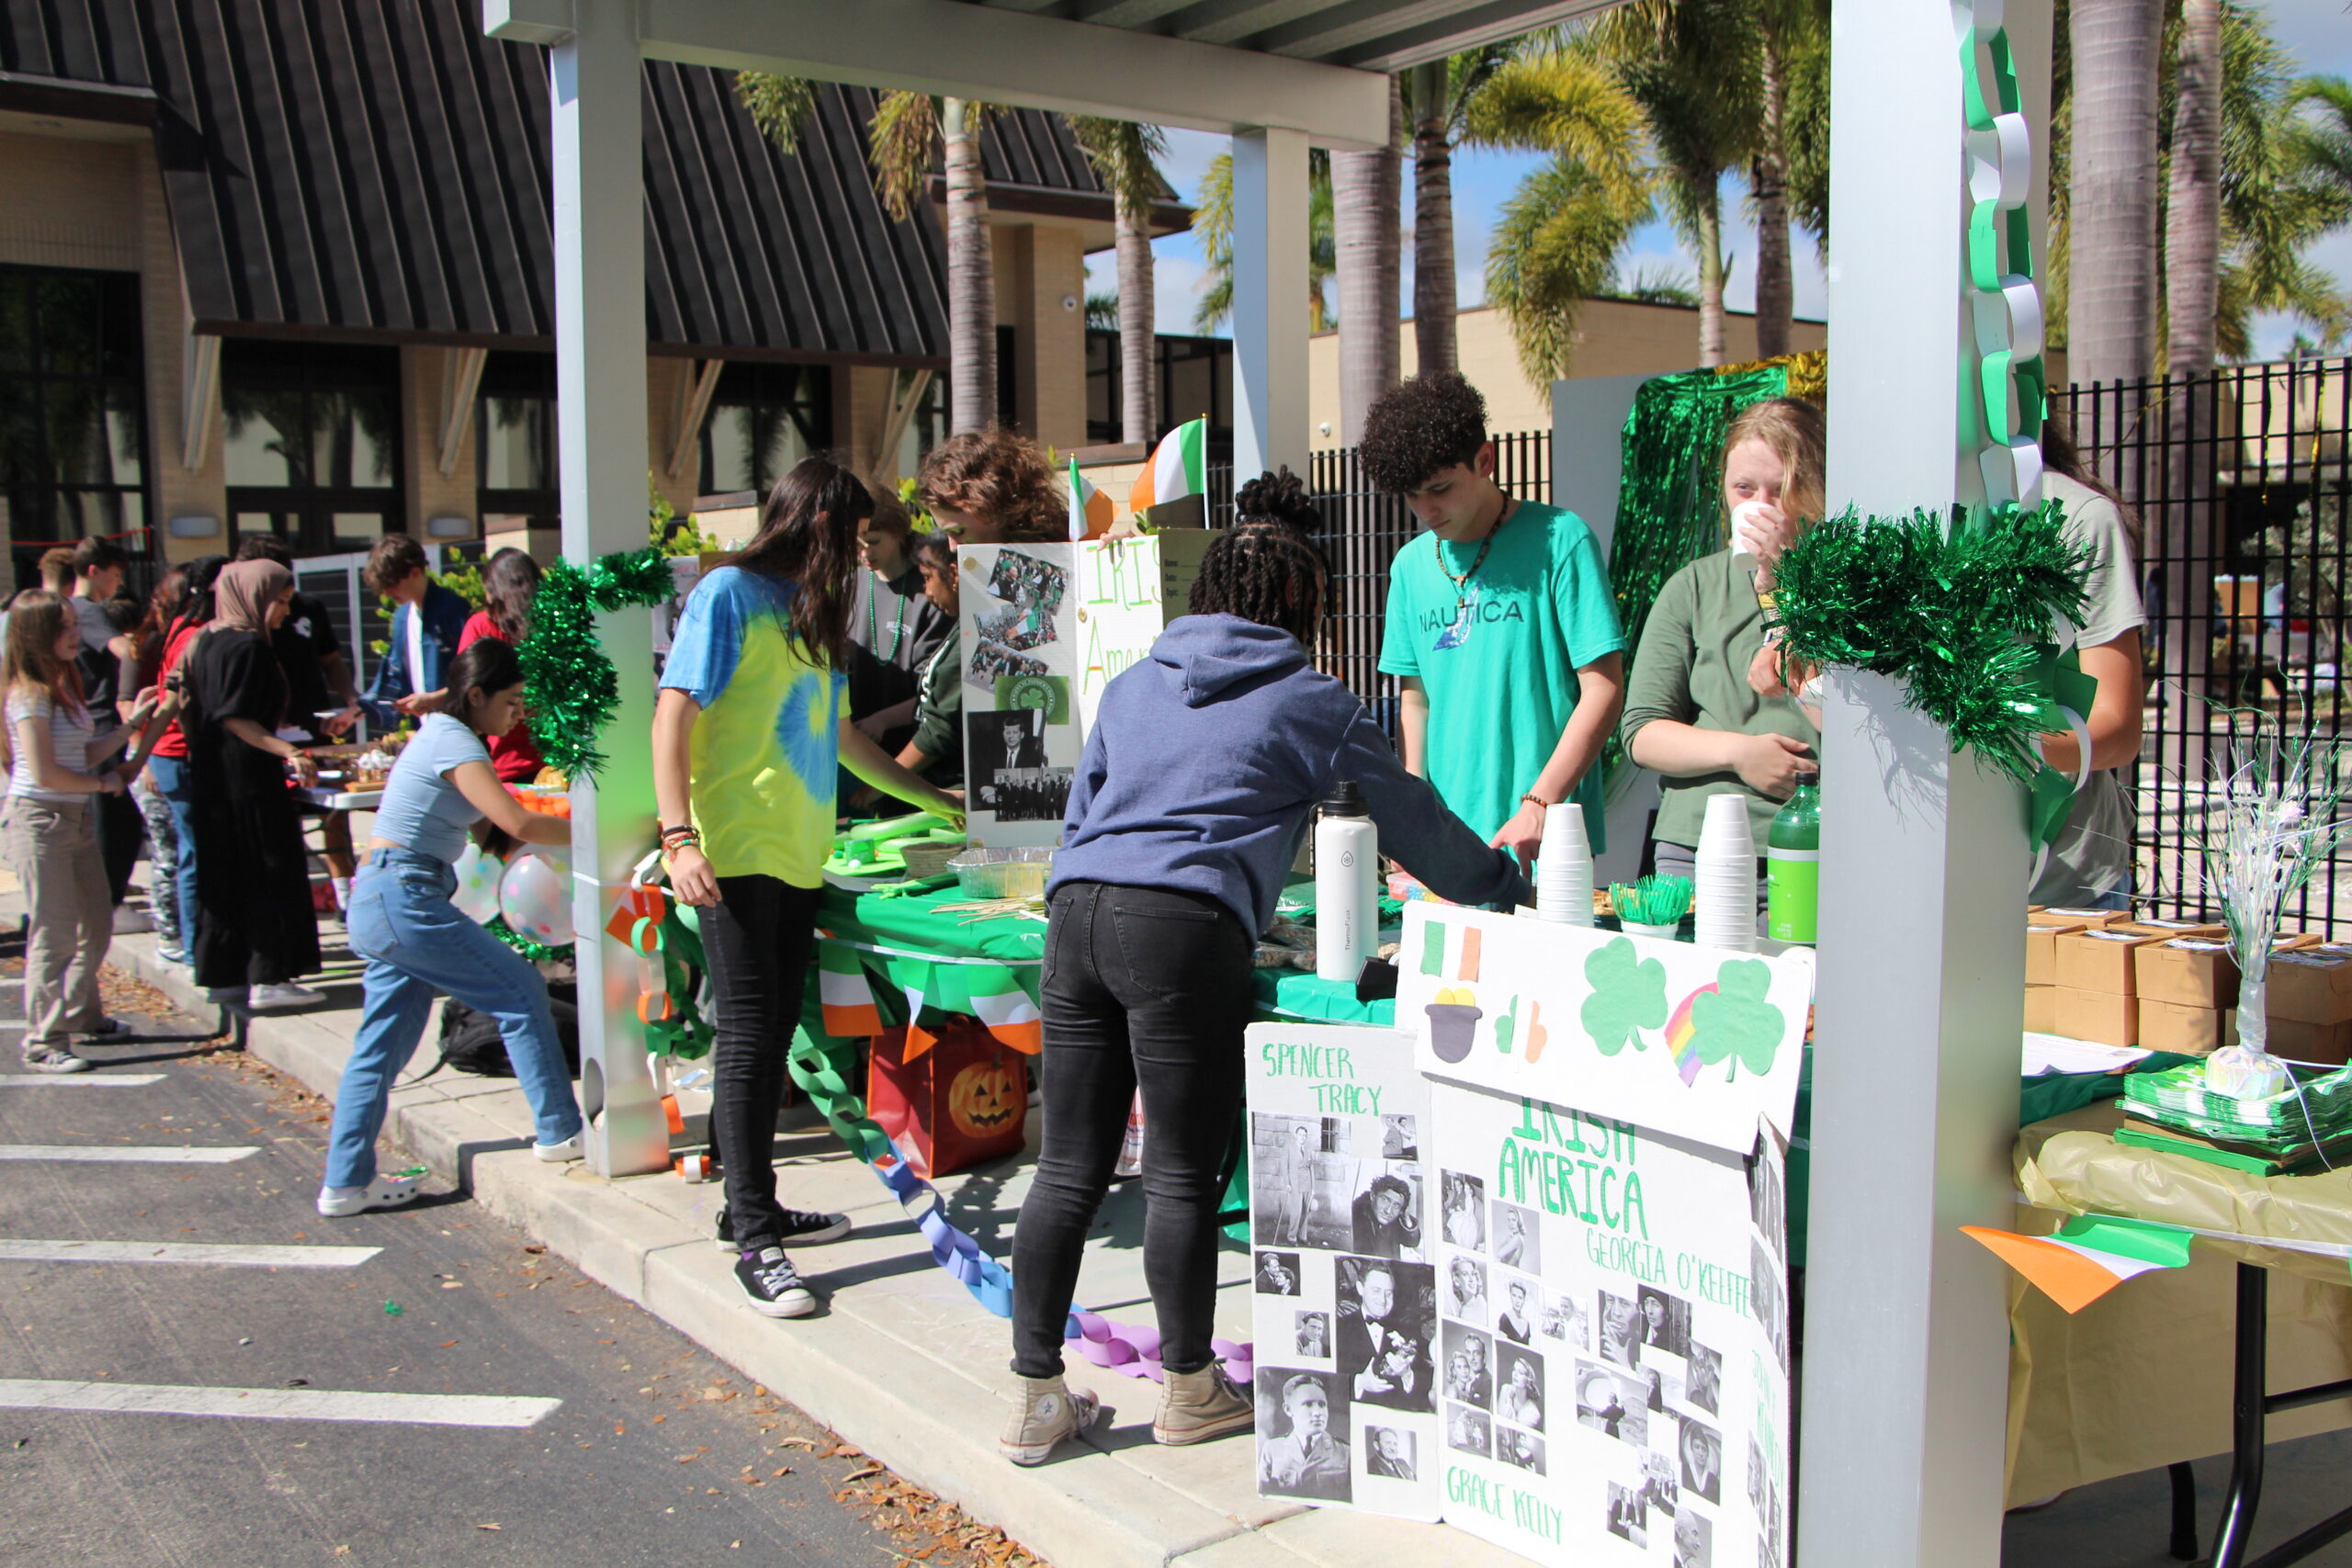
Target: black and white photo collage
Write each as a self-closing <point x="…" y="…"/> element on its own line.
<point x="1345" y="1305"/>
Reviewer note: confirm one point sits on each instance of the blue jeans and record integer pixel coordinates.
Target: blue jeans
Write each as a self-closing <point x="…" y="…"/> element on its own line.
<point x="417" y="946"/>
<point x="176" y="783"/>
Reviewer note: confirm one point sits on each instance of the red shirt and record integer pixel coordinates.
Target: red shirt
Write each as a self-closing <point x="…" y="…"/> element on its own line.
<point x="515" y="755"/>
<point x="173" y="744"/>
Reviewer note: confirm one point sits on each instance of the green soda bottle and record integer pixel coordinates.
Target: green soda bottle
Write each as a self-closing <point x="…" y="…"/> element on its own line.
<point x="1793" y="864"/>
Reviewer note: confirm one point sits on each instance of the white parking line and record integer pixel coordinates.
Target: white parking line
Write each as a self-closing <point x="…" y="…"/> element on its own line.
<point x="124" y="1152"/>
<point x="78" y="1080"/>
<point x="233" y="1254"/>
<point x="277" y="1404"/>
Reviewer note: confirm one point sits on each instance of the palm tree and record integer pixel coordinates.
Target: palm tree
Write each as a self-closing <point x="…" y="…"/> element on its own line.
<point x="1368" y="222"/>
<point x="1437" y="105"/>
<point x="1789" y="37"/>
<point x="1212" y="224"/>
<point x="908" y="133"/>
<point x="1123" y="156"/>
<point x="2193" y="194"/>
<point x="2112" y="199"/>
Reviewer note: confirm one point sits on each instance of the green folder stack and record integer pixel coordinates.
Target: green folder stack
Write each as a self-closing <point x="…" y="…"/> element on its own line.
<point x="2307" y="1128"/>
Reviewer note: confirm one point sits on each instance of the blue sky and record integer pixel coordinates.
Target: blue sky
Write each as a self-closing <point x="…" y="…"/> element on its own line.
<point x="2319" y="31"/>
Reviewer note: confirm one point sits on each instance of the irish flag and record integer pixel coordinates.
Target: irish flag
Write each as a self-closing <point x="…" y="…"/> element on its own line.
<point x="1178" y="468"/>
<point x="1089" y="509"/>
<point x="846" y="994"/>
<point x="999" y="1003"/>
<point x="2090" y="1254"/>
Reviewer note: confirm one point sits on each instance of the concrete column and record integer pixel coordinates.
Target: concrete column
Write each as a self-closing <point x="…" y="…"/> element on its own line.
<point x="595" y="75"/>
<point x="1915" y="1102"/>
<point x="1269" y="275"/>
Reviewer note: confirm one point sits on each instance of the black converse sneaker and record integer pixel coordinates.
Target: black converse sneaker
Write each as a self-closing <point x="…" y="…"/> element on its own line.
<point x="768" y="1278"/>
<point x="59" y="1059"/>
<point x="801" y="1228"/>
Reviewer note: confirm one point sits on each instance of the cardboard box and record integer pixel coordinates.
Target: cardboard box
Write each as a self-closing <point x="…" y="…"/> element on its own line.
<point x="2189" y="1031"/>
<point x="2329" y="1044"/>
<point x="2101" y="1016"/>
<point x="2100" y="959"/>
<point x="2312" y="984"/>
<point x="2079" y="919"/>
<point x="2042" y="1009"/>
<point x="2042" y="952"/>
<point x="2189" y="971"/>
<point x="2186" y="928"/>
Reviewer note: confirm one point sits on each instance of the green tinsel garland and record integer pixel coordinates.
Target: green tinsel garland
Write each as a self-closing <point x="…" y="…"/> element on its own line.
<point x="1951" y="613"/>
<point x="537" y="952"/>
<point x="569" y="683"/>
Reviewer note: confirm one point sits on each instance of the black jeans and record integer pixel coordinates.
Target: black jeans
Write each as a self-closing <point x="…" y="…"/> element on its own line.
<point x="1150" y="987"/>
<point x="757" y="938"/>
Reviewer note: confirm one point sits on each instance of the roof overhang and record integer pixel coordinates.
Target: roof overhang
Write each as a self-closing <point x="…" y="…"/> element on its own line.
<point x="1314" y="66"/>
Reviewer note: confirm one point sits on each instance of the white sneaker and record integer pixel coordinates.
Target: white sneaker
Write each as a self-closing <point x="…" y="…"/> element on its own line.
<point x="384" y="1192"/>
<point x="558" y="1154"/>
<point x="282" y="998"/>
<point x="130" y="921"/>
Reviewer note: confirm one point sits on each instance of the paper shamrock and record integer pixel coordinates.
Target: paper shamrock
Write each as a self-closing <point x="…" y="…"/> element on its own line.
<point x="1628" y="996"/>
<point x="1734" y="1020"/>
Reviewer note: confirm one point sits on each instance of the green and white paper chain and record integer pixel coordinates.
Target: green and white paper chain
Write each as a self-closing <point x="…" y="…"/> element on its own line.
<point x="2013" y="384"/>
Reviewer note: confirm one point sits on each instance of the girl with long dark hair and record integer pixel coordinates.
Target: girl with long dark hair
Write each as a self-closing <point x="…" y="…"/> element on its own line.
<point x="1185" y="816"/>
<point x="168" y="767"/>
<point x="146" y="671"/>
<point x="509" y="582"/>
<point x="748" y="732"/>
<point x="418" y="946"/>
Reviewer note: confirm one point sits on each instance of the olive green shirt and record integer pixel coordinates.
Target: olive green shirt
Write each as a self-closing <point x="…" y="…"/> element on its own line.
<point x="1691" y="668"/>
<point x="939" y="713"/>
<point x="2092" y="854"/>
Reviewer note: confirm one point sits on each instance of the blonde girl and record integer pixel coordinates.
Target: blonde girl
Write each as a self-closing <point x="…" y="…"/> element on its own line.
<point x="49" y="829"/>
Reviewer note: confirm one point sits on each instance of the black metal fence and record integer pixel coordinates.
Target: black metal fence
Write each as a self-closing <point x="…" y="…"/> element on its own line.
<point x="2241" y="479"/>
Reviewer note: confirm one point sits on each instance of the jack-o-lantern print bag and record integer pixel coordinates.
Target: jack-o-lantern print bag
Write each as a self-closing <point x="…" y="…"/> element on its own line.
<point x="960" y="1104"/>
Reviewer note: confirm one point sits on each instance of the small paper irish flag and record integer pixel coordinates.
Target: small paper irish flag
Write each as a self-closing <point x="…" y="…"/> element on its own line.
<point x="1178" y="468"/>
<point x="2090" y="1254"/>
<point x="1089" y="509"/>
<point x="999" y="1003"/>
<point x="846" y="994"/>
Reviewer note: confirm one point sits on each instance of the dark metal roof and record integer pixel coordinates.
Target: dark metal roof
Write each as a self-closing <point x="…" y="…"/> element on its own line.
<point x="379" y="168"/>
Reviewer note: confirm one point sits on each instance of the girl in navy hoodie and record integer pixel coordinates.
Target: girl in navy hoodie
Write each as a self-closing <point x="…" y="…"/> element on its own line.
<point x="1198" y="779"/>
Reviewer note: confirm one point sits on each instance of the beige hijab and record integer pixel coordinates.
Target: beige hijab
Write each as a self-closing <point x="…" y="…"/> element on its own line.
<point x="244" y="591"/>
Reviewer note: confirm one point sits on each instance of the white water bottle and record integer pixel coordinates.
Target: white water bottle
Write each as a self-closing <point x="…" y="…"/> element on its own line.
<point x="1346" y="887"/>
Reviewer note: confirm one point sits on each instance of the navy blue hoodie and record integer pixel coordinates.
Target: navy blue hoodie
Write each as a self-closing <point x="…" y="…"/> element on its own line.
<point x="1208" y="758"/>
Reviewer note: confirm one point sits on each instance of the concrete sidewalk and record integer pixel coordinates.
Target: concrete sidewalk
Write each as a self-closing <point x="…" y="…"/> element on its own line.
<point x="899" y="1361"/>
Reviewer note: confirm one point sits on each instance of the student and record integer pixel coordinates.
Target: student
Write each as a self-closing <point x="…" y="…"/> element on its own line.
<point x="49" y="832"/>
<point x="256" y="929"/>
<point x="321" y="700"/>
<point x="163" y="607"/>
<point x="1691" y="713"/>
<point x="936" y="749"/>
<point x="509" y="582"/>
<point x="427" y="621"/>
<point x="894" y="626"/>
<point x="167" y="767"/>
<point x="748" y="732"/>
<point x="1501" y="623"/>
<point x="991" y="487"/>
<point x="1183" y="818"/>
<point x="418" y="946"/>
<point x="99" y="566"/>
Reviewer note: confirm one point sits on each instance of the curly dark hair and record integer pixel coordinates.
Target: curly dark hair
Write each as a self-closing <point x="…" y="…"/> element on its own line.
<point x="1264" y="572"/>
<point x="997" y="474"/>
<point x="1280" y="498"/>
<point x="1430" y="422"/>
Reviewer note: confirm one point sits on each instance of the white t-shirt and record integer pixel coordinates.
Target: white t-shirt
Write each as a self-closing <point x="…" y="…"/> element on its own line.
<point x="71" y="730"/>
<point x="415" y="649"/>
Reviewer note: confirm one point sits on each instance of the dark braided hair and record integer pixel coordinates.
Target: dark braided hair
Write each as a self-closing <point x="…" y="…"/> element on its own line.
<point x="1265" y="572"/>
<point x="1280" y="498"/>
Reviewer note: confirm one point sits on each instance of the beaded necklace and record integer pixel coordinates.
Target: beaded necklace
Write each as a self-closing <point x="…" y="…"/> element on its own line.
<point x="1462" y="581"/>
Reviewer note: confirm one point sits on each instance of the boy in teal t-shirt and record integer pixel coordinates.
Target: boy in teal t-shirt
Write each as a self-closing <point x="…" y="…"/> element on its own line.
<point x="1500" y="622"/>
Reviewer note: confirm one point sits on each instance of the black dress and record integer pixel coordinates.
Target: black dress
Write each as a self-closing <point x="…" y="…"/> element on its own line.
<point x="255" y="922"/>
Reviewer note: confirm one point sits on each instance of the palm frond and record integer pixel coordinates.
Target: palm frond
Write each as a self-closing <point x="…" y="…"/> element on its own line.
<point x="1124" y="157"/>
<point x="904" y="139"/>
<point x="780" y="105"/>
<point x="1555" y="246"/>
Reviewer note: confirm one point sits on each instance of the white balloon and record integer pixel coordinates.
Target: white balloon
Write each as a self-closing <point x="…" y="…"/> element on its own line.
<point x="535" y="896"/>
<point x="478" y="876"/>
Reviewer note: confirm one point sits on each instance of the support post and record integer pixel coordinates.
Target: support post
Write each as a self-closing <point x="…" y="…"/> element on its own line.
<point x="594" y="75"/>
<point x="1269" y="276"/>
<point x="1924" y="870"/>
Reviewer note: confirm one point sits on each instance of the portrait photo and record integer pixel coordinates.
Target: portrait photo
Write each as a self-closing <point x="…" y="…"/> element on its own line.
<point x="1302" y="1435"/>
<point x="1390" y="1454"/>
<point x="1706" y="1378"/>
<point x="1388" y="1316"/>
<point x="1703" y="1461"/>
<point x="1518" y="1387"/>
<point x="1277" y="1273"/>
<point x="1465" y="1210"/>
<point x="1469" y="1365"/>
<point x="1469" y="1431"/>
<point x="1517" y="1234"/>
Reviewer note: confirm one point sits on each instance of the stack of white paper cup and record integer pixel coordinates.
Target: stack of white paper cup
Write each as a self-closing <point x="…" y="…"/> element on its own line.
<point x="1725" y="900"/>
<point x="1743" y="524"/>
<point x="1564" y="867"/>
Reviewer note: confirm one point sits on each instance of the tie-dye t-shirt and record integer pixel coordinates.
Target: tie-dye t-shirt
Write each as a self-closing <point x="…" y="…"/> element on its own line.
<point x="764" y="750"/>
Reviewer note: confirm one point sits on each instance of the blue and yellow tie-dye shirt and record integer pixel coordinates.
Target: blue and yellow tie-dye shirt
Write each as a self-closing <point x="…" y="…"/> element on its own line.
<point x="765" y="749"/>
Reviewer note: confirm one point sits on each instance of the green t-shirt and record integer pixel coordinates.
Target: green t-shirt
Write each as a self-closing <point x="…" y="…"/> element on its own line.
<point x="1499" y="656"/>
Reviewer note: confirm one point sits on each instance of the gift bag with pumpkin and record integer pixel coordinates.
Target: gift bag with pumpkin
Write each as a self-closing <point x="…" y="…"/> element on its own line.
<point x="958" y="1101"/>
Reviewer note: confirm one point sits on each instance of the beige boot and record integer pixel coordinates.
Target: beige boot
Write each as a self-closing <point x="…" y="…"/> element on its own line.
<point x="1196" y="1407"/>
<point x="1045" y="1411"/>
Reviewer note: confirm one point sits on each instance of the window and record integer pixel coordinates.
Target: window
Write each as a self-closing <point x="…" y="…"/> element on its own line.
<point x="515" y="441"/>
<point x="72" y="409"/>
<point x="764" y="419"/>
<point x="1195" y="379"/>
<point x="310" y="435"/>
<point x="927" y="424"/>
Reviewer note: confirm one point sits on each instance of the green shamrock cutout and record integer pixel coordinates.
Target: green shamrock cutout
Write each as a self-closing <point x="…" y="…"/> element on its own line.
<point x="1734" y="1021"/>
<point x="1628" y="996"/>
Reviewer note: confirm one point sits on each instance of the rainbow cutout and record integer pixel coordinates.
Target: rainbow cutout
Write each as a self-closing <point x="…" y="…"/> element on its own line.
<point x="1680" y="1044"/>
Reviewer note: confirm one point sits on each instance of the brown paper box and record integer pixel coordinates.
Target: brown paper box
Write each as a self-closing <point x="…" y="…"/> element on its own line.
<point x="2186" y="928"/>
<point x="2100" y="960"/>
<point x="2196" y="971"/>
<point x="2041" y="953"/>
<point x="2329" y="1044"/>
<point x="2311" y="986"/>
<point x="2079" y="919"/>
<point x="2189" y="1031"/>
<point x="2101" y="1016"/>
<point x="2041" y="1008"/>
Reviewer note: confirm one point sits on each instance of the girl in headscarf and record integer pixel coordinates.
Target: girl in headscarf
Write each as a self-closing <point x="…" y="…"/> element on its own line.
<point x="256" y="928"/>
